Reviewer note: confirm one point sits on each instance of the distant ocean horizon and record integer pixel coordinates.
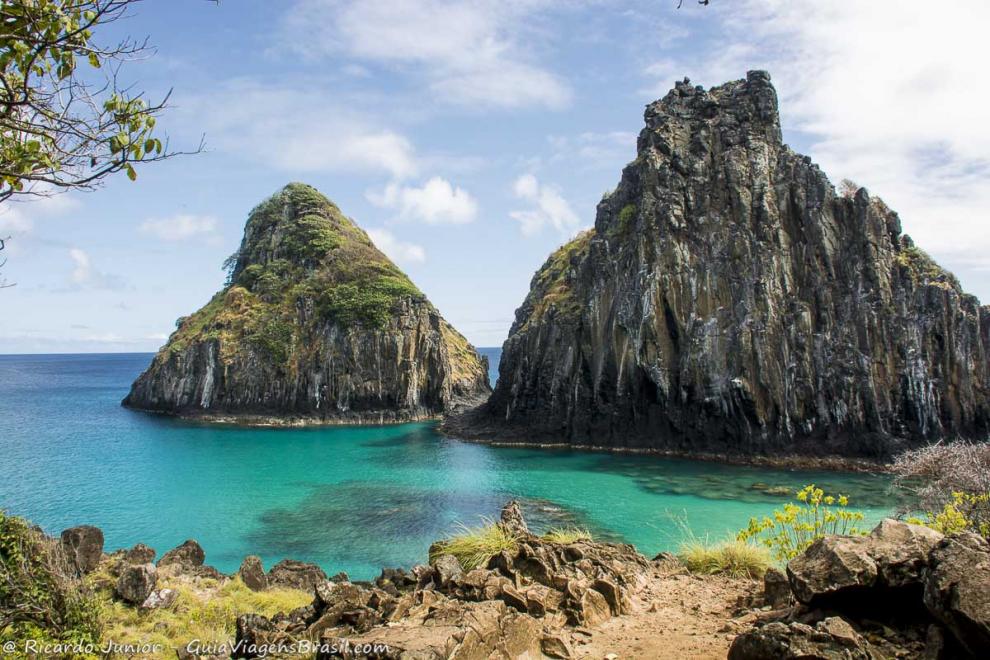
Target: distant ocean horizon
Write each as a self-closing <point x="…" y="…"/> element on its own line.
<point x="348" y="498"/>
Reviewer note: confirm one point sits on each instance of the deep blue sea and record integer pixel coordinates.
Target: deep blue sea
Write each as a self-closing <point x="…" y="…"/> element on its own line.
<point x="353" y="499"/>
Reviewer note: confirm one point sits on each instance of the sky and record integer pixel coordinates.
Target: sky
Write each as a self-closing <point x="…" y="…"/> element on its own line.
<point x="471" y="138"/>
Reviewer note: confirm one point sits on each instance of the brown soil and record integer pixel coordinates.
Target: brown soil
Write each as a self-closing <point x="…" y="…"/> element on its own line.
<point x="676" y="615"/>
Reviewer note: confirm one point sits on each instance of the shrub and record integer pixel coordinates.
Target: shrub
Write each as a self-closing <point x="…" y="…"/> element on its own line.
<point x="951" y="483"/>
<point x="474" y="546"/>
<point x="735" y="558"/>
<point x="567" y="535"/>
<point x="40" y="596"/>
<point x="792" y="529"/>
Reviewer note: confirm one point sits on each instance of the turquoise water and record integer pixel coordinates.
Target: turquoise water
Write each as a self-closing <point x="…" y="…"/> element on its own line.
<point x="351" y="499"/>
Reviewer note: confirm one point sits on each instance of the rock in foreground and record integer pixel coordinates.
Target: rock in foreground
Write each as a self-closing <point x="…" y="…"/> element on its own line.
<point x="315" y="325"/>
<point x="729" y="300"/>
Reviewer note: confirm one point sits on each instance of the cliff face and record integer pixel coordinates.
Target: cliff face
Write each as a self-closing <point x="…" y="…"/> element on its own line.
<point x="315" y="325"/>
<point x="728" y="299"/>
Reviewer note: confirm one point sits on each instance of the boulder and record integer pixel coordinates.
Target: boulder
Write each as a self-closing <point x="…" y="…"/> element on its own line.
<point x="83" y="547"/>
<point x="139" y="554"/>
<point x="252" y="573"/>
<point x="893" y="555"/>
<point x="556" y="646"/>
<point x="159" y="599"/>
<point x="591" y="609"/>
<point x="512" y="519"/>
<point x="831" y="639"/>
<point x="295" y="575"/>
<point x="776" y="589"/>
<point x="448" y="568"/>
<point x="957" y="590"/>
<point x="136" y="582"/>
<point x="190" y="554"/>
<point x="832" y="564"/>
<point x="901" y="551"/>
<point x="253" y="631"/>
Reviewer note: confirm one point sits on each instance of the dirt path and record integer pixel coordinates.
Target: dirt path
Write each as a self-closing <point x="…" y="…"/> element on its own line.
<point x="676" y="616"/>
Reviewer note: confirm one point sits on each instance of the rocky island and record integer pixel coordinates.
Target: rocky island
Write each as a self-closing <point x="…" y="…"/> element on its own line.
<point x="729" y="300"/>
<point x="315" y="325"/>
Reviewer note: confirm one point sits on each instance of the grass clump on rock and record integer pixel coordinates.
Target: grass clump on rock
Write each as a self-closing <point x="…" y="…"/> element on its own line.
<point x="474" y="546"/>
<point x="733" y="558"/>
<point x="565" y="535"/>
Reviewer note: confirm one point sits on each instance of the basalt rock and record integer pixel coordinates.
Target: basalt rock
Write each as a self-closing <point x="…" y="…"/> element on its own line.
<point x="252" y="573"/>
<point x="139" y="554"/>
<point x="83" y="545"/>
<point x="957" y="590"/>
<point x="314" y="325"/>
<point x="728" y="300"/>
<point x="136" y="582"/>
<point x="296" y="575"/>
<point x="189" y="555"/>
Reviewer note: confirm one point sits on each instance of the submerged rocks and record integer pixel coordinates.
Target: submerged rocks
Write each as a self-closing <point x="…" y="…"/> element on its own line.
<point x="729" y="300"/>
<point x="314" y="325"/>
<point x="83" y="546"/>
<point x="136" y="582"/>
<point x="518" y="606"/>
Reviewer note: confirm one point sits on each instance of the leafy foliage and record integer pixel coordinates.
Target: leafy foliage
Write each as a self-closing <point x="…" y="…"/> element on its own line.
<point x="626" y="217"/>
<point x="965" y="513"/>
<point x="474" y="546"/>
<point x="40" y="597"/>
<point x="795" y="527"/>
<point x="57" y="126"/>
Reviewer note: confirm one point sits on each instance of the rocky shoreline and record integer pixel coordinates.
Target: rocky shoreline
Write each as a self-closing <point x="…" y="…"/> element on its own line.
<point x="458" y="426"/>
<point x="903" y="591"/>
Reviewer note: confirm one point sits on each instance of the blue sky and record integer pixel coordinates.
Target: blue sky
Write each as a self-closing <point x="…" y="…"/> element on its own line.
<point x="472" y="138"/>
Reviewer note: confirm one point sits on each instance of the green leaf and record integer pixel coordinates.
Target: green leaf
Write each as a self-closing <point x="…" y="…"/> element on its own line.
<point x="131" y="174"/>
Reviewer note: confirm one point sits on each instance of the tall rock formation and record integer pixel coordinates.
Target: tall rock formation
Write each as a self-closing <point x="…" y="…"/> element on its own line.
<point x="729" y="300"/>
<point x="316" y="324"/>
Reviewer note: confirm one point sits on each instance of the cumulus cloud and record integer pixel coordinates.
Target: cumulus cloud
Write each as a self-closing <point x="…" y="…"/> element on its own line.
<point x="435" y="202"/>
<point x="398" y="251"/>
<point x="180" y="227"/>
<point x="468" y="51"/>
<point x="888" y="97"/>
<point x="550" y="209"/>
<point x="85" y="276"/>
<point x="301" y="127"/>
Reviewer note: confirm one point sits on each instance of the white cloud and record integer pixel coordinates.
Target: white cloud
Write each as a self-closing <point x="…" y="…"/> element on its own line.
<point x="468" y="51"/>
<point x="608" y="150"/>
<point x="890" y="97"/>
<point x="300" y="127"/>
<point x="85" y="276"/>
<point x="180" y="227"/>
<point x="436" y="202"/>
<point x="396" y="250"/>
<point x="550" y="208"/>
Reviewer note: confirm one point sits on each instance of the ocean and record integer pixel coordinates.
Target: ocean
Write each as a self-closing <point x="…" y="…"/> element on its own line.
<point x="351" y="499"/>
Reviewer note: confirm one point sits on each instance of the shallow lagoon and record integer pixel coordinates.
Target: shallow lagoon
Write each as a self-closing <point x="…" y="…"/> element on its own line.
<point x="351" y="499"/>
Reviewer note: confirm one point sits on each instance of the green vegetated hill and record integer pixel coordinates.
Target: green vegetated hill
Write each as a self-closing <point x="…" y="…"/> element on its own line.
<point x="315" y="324"/>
